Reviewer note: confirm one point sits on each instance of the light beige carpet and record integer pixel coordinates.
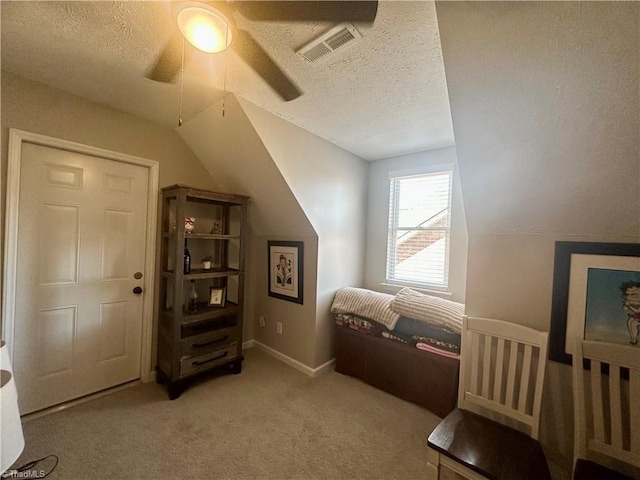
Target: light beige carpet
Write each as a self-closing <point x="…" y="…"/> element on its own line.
<point x="269" y="422"/>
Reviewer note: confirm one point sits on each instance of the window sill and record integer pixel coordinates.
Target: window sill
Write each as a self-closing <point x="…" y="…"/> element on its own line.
<point x="395" y="288"/>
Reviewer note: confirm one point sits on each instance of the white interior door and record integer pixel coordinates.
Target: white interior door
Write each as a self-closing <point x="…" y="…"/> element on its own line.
<point x="81" y="240"/>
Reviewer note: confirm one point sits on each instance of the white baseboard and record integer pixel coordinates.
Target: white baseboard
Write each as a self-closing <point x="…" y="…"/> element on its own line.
<point x="78" y="401"/>
<point x="247" y="344"/>
<point x="292" y="362"/>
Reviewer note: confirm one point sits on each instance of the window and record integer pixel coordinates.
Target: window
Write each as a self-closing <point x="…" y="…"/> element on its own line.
<point x="419" y="228"/>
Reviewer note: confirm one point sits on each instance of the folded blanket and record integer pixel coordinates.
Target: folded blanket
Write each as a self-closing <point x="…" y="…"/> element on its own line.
<point x="435" y="343"/>
<point x="434" y="310"/>
<point x="393" y="337"/>
<point x="358" y="323"/>
<point x="429" y="348"/>
<point x="420" y="328"/>
<point x="365" y="303"/>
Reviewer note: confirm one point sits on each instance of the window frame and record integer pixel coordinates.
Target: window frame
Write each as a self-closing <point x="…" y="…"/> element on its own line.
<point x="392" y="226"/>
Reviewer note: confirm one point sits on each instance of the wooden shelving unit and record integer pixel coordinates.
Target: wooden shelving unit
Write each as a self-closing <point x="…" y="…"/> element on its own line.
<point x="191" y="342"/>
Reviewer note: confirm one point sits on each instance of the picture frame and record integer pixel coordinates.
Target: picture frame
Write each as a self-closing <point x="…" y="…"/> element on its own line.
<point x="587" y="300"/>
<point x="285" y="270"/>
<point x="217" y="296"/>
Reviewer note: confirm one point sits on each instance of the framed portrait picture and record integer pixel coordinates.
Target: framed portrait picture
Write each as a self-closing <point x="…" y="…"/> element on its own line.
<point x="286" y="270"/>
<point x="596" y="296"/>
<point x="217" y="296"/>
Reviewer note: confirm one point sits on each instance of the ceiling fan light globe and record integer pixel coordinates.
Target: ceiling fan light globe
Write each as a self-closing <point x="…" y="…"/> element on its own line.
<point x="205" y="29"/>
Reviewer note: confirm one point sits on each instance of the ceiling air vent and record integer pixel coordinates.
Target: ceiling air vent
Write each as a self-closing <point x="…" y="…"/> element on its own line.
<point x="339" y="38"/>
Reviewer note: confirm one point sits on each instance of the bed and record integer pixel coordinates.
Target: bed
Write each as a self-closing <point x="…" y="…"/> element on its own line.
<point x="406" y="344"/>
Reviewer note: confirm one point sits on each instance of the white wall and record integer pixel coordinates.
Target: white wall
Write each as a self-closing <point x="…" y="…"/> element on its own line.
<point x="236" y="161"/>
<point x="34" y="107"/>
<point x="330" y="184"/>
<point x="233" y="153"/>
<point x="235" y="156"/>
<point x="301" y="188"/>
<point x="378" y="218"/>
<point x="298" y="339"/>
<point x="546" y="114"/>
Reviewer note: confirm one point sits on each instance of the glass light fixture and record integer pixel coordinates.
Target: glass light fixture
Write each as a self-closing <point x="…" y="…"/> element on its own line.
<point x="205" y="28"/>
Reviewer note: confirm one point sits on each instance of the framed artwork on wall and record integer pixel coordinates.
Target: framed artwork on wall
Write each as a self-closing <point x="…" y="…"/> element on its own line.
<point x="286" y="270"/>
<point x="596" y="296"/>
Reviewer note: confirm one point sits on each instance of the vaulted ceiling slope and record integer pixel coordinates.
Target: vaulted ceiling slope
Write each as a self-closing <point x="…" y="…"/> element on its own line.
<point x="232" y="152"/>
<point x="383" y="97"/>
<point x="546" y="107"/>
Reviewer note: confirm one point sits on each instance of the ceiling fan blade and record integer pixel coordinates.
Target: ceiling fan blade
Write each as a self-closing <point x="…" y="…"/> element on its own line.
<point x="320" y="11"/>
<point x="258" y="59"/>
<point x="169" y="61"/>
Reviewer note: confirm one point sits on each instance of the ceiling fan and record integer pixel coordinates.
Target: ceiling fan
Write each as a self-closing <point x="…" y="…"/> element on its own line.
<point x="210" y="27"/>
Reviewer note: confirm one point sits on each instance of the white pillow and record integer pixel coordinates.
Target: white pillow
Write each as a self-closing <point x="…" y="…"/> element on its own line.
<point x="433" y="310"/>
<point x="366" y="303"/>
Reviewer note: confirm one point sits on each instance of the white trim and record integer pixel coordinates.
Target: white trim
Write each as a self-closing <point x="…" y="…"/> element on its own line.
<point x="16" y="139"/>
<point x="147" y="373"/>
<point x="396" y="287"/>
<point x="292" y="362"/>
<point x="394" y="193"/>
<point x="248" y="344"/>
<point x="328" y="365"/>
<point x="11" y="239"/>
<point x="410" y="172"/>
<point x="78" y="401"/>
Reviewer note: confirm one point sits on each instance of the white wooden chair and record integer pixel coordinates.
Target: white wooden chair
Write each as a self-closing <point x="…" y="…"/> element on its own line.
<point x="606" y="409"/>
<point x="502" y="372"/>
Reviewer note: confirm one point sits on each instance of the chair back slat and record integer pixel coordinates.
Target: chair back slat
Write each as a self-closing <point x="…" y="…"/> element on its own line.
<point x="607" y="418"/>
<point x="615" y="401"/>
<point x="537" y="399"/>
<point x="475" y="342"/>
<point x="596" y="401"/>
<point x="634" y="392"/>
<point x="510" y="396"/>
<point x="579" y="407"/>
<point x="486" y="366"/>
<point x="502" y="369"/>
<point x="497" y="384"/>
<point x="524" y="384"/>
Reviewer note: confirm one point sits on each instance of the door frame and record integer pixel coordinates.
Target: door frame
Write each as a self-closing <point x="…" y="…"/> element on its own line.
<point x="16" y="139"/>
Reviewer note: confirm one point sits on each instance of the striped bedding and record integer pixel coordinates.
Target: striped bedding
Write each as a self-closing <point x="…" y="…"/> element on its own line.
<point x="366" y="303"/>
<point x="433" y="310"/>
<point x="352" y="310"/>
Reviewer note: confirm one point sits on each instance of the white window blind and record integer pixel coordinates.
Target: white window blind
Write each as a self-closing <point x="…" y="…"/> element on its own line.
<point x="419" y="229"/>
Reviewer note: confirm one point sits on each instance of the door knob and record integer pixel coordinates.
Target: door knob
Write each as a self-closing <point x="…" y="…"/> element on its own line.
<point x="137" y="290"/>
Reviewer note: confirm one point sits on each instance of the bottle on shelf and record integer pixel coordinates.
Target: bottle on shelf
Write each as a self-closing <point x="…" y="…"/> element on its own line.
<point x="193" y="298"/>
<point x="187" y="259"/>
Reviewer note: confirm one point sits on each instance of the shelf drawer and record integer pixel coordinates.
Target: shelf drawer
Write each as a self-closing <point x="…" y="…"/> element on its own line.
<point x="205" y="313"/>
<point x="205" y="342"/>
<point x="200" y="363"/>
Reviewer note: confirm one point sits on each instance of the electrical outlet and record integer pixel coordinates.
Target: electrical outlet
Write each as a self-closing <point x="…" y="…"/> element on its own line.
<point x="262" y="321"/>
<point x="279" y="328"/>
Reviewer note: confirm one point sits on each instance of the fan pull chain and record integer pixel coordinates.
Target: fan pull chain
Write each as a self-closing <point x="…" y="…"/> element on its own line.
<point x="181" y="84"/>
<point x="224" y="81"/>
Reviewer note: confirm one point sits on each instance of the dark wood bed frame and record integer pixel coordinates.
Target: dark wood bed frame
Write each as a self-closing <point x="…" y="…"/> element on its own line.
<point x="422" y="377"/>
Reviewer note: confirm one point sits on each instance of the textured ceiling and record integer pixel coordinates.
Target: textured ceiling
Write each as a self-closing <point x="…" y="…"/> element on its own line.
<point x="383" y="97"/>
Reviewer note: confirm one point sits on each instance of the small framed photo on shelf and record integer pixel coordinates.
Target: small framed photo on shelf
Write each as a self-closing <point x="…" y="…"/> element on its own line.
<point x="217" y="296"/>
